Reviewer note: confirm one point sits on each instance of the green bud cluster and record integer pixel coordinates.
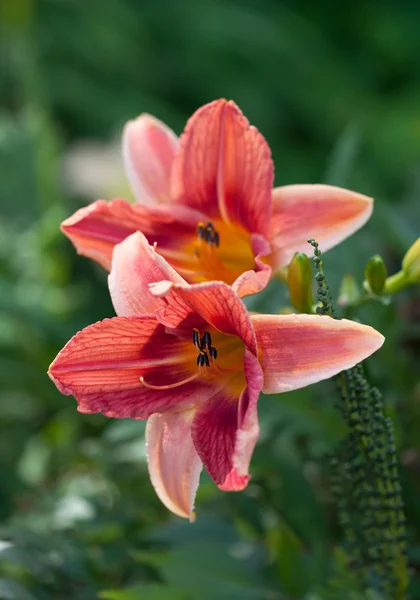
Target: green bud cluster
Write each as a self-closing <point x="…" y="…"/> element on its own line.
<point x="364" y="477"/>
<point x="366" y="486"/>
<point x="323" y="295"/>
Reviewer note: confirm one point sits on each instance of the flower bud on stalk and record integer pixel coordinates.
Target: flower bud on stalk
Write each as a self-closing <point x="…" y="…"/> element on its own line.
<point x="375" y="274"/>
<point x="299" y="279"/>
<point x="410" y="272"/>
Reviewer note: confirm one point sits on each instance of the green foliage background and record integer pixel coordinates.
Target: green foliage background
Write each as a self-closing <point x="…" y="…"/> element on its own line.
<point x="335" y="88"/>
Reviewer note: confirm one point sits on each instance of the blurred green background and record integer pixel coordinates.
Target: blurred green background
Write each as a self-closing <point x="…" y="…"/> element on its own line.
<point x="335" y="89"/>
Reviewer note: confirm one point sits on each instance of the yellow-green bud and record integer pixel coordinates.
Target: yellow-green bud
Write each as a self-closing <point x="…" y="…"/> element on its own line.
<point x="375" y="274"/>
<point x="349" y="291"/>
<point x="411" y="263"/>
<point x="299" y="279"/>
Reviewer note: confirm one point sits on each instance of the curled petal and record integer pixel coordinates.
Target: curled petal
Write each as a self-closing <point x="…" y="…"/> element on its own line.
<point x="103" y="365"/>
<point x="224" y="167"/>
<point x="225" y="430"/>
<point x="252" y="282"/>
<point x="174" y="465"/>
<point x="324" y="212"/>
<point x="135" y="266"/>
<point x="149" y="148"/>
<point x="297" y="350"/>
<point x="214" y="301"/>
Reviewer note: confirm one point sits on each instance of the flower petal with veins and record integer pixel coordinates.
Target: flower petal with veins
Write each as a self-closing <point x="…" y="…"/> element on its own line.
<point x="225" y="430"/>
<point x="174" y="465"/>
<point x="297" y="350"/>
<point x="224" y="167"/>
<point x="326" y="213"/>
<point x="149" y="147"/>
<point x="135" y="266"/>
<point x="101" y="367"/>
<point x="215" y="302"/>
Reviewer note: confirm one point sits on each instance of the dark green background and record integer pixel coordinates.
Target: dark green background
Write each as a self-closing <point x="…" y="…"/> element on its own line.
<point x="335" y="89"/>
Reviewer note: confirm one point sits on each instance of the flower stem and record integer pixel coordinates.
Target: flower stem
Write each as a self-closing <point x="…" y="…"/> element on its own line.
<point x="395" y="283"/>
<point x="364" y="477"/>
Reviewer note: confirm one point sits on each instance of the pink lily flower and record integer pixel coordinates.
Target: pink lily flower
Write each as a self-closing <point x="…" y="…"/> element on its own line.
<point x="207" y="201"/>
<point x="193" y="361"/>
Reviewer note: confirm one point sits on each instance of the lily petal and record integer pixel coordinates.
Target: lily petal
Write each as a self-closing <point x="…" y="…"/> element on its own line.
<point x="101" y="367"/>
<point x="135" y="265"/>
<point x="214" y="301"/>
<point x="297" y="350"/>
<point x="224" y="167"/>
<point x="95" y="229"/>
<point x="225" y="430"/>
<point x="324" y="212"/>
<point x="149" y="148"/>
<point x="252" y="282"/>
<point x="174" y="465"/>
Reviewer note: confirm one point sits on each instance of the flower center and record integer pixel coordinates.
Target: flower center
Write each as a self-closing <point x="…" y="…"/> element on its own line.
<point x="231" y="354"/>
<point x="222" y="251"/>
<point x="216" y="251"/>
<point x="230" y="350"/>
<point x="207" y="353"/>
<point x="208" y="234"/>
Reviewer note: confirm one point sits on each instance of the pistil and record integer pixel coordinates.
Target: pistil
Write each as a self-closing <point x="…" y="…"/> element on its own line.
<point x="151" y="386"/>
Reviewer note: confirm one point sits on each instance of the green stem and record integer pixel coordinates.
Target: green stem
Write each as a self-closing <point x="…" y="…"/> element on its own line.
<point x="395" y="283"/>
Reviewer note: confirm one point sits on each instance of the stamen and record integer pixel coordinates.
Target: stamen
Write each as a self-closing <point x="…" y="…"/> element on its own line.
<point x="208" y="234"/>
<point x="206" y="340"/>
<point x="206" y="359"/>
<point x="204" y="347"/>
<point x="202" y="231"/>
<point x="203" y="359"/>
<point x="195" y="337"/>
<point x="150" y="386"/>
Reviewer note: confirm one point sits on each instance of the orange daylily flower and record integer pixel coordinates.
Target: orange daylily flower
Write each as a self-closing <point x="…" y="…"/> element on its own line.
<point x="207" y="201"/>
<point x="193" y="361"/>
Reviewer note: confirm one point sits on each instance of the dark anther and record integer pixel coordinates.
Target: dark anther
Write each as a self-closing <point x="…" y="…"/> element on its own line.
<point x="206" y="340"/>
<point x="208" y="233"/>
<point x="202" y="231"/>
<point x="203" y="359"/>
<point x="203" y="344"/>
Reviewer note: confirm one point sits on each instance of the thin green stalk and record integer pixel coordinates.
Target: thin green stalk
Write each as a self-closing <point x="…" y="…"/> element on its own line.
<point x="364" y="477"/>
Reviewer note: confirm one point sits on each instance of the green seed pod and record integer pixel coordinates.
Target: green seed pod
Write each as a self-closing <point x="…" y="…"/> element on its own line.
<point x="375" y="274"/>
<point x="299" y="279"/>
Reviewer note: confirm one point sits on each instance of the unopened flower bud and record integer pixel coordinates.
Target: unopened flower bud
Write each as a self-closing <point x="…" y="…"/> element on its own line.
<point x="411" y="263"/>
<point x="375" y="274"/>
<point x="299" y="279"/>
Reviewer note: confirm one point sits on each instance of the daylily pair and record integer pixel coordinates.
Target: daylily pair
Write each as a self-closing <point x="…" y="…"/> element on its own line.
<point x="207" y="201"/>
<point x="183" y="351"/>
